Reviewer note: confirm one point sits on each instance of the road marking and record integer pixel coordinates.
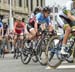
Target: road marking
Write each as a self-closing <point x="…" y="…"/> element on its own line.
<point x="63" y="67"/>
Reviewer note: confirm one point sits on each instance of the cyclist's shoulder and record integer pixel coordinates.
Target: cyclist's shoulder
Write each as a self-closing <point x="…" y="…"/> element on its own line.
<point x="39" y="14"/>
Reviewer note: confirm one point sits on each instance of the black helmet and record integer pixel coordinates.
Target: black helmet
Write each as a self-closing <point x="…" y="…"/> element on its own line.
<point x="37" y="9"/>
<point x="45" y="9"/>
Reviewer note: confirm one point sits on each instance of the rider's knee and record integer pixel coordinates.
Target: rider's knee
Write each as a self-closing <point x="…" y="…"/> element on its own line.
<point x="68" y="29"/>
<point x="33" y="33"/>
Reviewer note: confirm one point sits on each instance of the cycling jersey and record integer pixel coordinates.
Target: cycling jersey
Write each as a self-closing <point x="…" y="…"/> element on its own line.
<point x="40" y="19"/>
<point x="19" y="28"/>
<point x="62" y="17"/>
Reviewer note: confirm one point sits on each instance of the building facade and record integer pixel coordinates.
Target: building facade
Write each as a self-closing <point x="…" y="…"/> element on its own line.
<point x="19" y="7"/>
<point x="58" y="4"/>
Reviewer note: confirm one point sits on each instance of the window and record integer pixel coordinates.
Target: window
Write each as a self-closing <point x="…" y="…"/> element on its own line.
<point x="51" y="9"/>
<point x="41" y="1"/>
<point x="26" y="3"/>
<point x="56" y="9"/>
<point x="8" y="1"/>
<point x="20" y="3"/>
<point x="0" y="0"/>
<point x="37" y="3"/>
<point x="31" y="5"/>
<point x="11" y="2"/>
<point x="14" y="2"/>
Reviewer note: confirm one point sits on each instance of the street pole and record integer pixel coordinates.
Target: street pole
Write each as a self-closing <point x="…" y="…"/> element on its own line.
<point x="54" y="15"/>
<point x="11" y="18"/>
<point x="10" y="10"/>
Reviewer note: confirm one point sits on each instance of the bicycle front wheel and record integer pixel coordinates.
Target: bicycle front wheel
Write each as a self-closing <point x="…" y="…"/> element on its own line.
<point x="51" y="51"/>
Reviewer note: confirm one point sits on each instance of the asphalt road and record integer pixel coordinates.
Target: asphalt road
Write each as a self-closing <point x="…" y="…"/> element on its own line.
<point x="8" y="64"/>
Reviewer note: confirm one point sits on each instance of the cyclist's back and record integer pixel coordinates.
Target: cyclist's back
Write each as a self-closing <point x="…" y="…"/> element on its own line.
<point x="66" y="19"/>
<point x="62" y="17"/>
<point x="41" y="19"/>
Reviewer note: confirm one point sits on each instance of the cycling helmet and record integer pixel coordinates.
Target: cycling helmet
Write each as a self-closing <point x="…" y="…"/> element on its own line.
<point x="45" y="9"/>
<point x="37" y="9"/>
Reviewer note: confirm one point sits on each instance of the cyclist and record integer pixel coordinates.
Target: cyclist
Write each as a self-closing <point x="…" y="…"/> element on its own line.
<point x="36" y="11"/>
<point x="19" y="26"/>
<point x="42" y="19"/>
<point x="5" y="27"/>
<point x="1" y="29"/>
<point x="66" y="19"/>
<point x="30" y="25"/>
<point x="5" y="31"/>
<point x="19" y="29"/>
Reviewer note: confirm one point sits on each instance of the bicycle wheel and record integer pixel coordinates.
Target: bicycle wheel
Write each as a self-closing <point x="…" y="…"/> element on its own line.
<point x="74" y="53"/>
<point x="52" y="51"/>
<point x="25" y="56"/>
<point x="3" y="47"/>
<point x="17" y="52"/>
<point x="41" y="52"/>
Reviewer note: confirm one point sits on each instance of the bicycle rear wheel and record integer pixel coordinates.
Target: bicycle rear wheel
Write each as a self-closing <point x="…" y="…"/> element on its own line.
<point x="74" y="53"/>
<point x="52" y="51"/>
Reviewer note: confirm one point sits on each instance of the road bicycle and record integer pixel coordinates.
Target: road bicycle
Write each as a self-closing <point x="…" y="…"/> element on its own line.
<point x="37" y="49"/>
<point x="54" y="56"/>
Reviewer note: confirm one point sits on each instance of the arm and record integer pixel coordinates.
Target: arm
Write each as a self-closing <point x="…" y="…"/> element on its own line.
<point x="36" y="26"/>
<point x="50" y="27"/>
<point x="38" y="16"/>
<point x="14" y="27"/>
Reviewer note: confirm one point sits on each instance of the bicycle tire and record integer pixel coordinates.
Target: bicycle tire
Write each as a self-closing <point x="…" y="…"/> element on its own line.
<point x="17" y="50"/>
<point x="73" y="53"/>
<point x="40" y="49"/>
<point x="52" y="55"/>
<point x="3" y="48"/>
<point x="25" y="61"/>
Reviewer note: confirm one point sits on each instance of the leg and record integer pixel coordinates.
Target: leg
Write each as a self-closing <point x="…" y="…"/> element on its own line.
<point x="31" y="34"/>
<point x="67" y="33"/>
